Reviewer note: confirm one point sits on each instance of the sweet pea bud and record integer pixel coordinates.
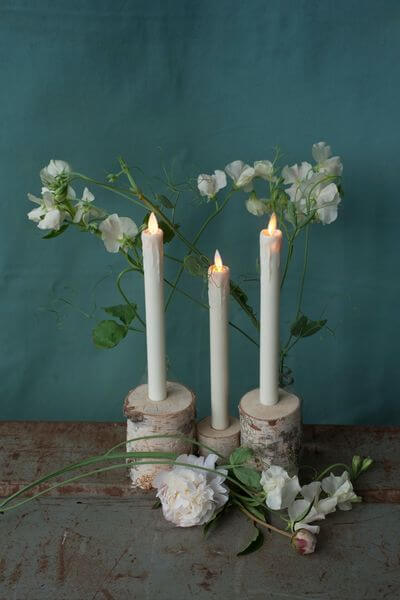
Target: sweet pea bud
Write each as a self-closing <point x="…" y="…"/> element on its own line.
<point x="366" y="463"/>
<point x="303" y="541"/>
<point x="356" y="465"/>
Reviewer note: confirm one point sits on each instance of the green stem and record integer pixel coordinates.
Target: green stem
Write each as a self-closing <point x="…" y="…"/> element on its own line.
<point x="288" y="257"/>
<point x="253" y="341"/>
<point x="101" y="470"/>
<point x="303" y="274"/>
<point x="125" y="297"/>
<point x="325" y="471"/>
<point x="263" y="523"/>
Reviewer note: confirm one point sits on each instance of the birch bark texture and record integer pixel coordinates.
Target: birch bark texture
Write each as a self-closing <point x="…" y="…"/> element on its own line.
<point x="173" y="416"/>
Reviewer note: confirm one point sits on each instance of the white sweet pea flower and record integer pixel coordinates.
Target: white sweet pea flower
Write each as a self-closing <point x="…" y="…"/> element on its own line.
<point x="280" y="489"/>
<point x="54" y="169"/>
<point x="327" y="199"/>
<point x="85" y="209"/>
<point x="241" y="174"/>
<point x="340" y="488"/>
<point x="311" y="508"/>
<point x="209" y="185"/>
<point x="256" y="206"/>
<point x="264" y="169"/>
<point x="188" y="495"/>
<point x="47" y="215"/>
<point x="296" y="174"/>
<point x="322" y="154"/>
<point x="117" y="231"/>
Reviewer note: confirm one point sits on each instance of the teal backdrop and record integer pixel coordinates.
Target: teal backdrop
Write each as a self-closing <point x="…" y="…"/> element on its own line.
<point x="198" y="84"/>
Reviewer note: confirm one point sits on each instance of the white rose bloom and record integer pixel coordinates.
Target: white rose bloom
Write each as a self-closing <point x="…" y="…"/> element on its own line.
<point x="281" y="489"/>
<point x="209" y="185"/>
<point x="190" y="496"/>
<point x="256" y="206"/>
<point x="326" y="163"/>
<point x="241" y="174"/>
<point x="53" y="170"/>
<point x="340" y="488"/>
<point x="85" y="210"/>
<point x="47" y="215"/>
<point x="116" y="231"/>
<point x="328" y="200"/>
<point x="264" y="169"/>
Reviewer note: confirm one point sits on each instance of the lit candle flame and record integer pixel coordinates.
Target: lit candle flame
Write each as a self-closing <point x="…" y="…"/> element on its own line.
<point x="272" y="224"/>
<point x="153" y="224"/>
<point x="218" y="264"/>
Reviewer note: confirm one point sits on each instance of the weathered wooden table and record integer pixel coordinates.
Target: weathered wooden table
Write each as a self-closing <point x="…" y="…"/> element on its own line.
<point x="97" y="539"/>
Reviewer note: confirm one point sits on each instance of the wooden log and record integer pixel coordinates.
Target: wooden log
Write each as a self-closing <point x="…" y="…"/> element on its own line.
<point x="273" y="432"/>
<point x="223" y="441"/>
<point x="174" y="415"/>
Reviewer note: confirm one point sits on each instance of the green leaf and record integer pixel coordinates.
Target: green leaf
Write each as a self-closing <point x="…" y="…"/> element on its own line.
<point x="54" y="233"/>
<point x="240" y="455"/>
<point x="108" y="334"/>
<point x="254" y="544"/>
<point x="195" y="265"/>
<point x="211" y="525"/>
<point x="304" y="327"/>
<point x="247" y="476"/>
<point x="156" y="504"/>
<point x="124" y="312"/>
<point x="164" y="201"/>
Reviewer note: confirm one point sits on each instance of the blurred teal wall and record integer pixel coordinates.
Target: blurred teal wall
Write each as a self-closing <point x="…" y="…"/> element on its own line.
<point x="199" y="84"/>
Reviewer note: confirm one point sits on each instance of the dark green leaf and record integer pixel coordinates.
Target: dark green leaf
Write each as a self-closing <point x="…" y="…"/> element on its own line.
<point x="211" y="525"/>
<point x="247" y="476"/>
<point x="124" y="312"/>
<point x="54" y="233"/>
<point x="166" y="202"/>
<point x="108" y="334"/>
<point x="195" y="265"/>
<point x="304" y="327"/>
<point x="240" y="455"/>
<point x="156" y="504"/>
<point x="254" y="544"/>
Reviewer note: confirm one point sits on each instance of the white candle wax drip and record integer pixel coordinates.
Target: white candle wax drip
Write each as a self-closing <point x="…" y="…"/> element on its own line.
<point x="153" y="266"/>
<point x="218" y="297"/>
<point x="270" y="248"/>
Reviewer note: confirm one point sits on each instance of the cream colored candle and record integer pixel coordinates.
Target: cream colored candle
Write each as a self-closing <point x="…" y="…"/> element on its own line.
<point x="270" y="250"/>
<point x="218" y="297"/>
<point x="153" y="266"/>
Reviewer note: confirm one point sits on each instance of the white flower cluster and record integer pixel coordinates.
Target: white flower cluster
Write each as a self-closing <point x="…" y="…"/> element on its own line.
<point x="192" y="496"/>
<point x="58" y="202"/>
<point x="282" y="491"/>
<point x="311" y="189"/>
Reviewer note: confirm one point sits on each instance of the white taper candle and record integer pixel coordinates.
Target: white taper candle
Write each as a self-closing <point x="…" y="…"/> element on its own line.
<point x="270" y="249"/>
<point x="153" y="266"/>
<point x="218" y="297"/>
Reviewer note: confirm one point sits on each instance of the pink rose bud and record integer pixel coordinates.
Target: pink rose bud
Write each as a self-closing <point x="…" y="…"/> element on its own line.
<point x="304" y="541"/>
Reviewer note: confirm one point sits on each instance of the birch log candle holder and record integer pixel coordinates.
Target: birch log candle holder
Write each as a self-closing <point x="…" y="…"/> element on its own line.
<point x="223" y="441"/>
<point x="274" y="431"/>
<point x="173" y="416"/>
